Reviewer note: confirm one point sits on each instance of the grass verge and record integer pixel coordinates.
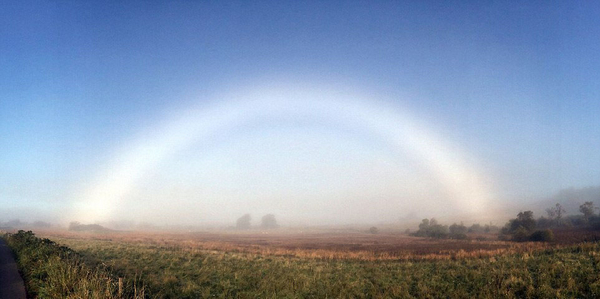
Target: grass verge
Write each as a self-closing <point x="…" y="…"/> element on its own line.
<point x="53" y="271"/>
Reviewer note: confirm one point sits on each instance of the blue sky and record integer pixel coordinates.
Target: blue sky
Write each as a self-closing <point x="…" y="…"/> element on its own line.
<point x="515" y="86"/>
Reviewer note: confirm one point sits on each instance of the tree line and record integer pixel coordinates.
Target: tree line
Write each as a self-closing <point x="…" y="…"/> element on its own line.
<point x="522" y="228"/>
<point x="432" y="229"/>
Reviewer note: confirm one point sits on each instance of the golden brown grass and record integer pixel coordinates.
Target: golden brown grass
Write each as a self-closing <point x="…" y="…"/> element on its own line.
<point x="316" y="245"/>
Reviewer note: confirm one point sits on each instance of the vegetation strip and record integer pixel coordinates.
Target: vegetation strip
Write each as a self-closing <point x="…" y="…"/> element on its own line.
<point x="53" y="271"/>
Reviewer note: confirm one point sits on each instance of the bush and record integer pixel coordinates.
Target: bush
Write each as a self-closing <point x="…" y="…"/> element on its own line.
<point x="456" y="229"/>
<point x="545" y="235"/>
<point x="520" y="235"/>
<point x="431" y="229"/>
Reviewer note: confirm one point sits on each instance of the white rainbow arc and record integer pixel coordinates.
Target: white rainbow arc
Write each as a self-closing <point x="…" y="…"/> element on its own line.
<point x="471" y="194"/>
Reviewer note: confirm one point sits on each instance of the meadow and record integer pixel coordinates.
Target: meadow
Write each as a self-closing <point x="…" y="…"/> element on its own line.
<point x="337" y="265"/>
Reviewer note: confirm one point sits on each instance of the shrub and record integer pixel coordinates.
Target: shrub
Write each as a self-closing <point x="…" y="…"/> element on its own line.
<point x="545" y="235"/>
<point x="430" y="228"/>
<point x="456" y="229"/>
<point x="520" y="235"/>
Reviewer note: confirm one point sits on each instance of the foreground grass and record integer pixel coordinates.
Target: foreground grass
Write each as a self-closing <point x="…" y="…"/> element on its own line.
<point x="177" y="272"/>
<point x="53" y="271"/>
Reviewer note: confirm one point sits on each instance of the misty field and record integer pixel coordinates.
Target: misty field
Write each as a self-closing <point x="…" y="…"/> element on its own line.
<point x="336" y="265"/>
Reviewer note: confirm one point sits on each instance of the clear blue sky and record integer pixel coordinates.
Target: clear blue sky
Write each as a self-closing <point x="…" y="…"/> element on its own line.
<point x="515" y="85"/>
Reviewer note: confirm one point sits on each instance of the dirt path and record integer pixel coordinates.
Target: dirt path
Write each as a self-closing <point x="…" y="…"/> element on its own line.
<point x="11" y="283"/>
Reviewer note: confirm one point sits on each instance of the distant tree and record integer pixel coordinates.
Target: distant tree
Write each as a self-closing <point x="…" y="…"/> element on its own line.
<point x="520" y="234"/>
<point x="458" y="229"/>
<point x="544" y="222"/>
<point x="491" y="228"/>
<point x="268" y="221"/>
<point x="424" y="226"/>
<point x="373" y="230"/>
<point x="431" y="228"/>
<point x="243" y="222"/>
<point x="551" y="213"/>
<point x="556" y="213"/>
<point x="524" y="220"/>
<point x="587" y="209"/>
<point x="475" y="228"/>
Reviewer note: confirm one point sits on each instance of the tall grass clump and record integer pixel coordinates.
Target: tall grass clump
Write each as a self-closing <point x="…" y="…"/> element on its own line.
<point x="53" y="271"/>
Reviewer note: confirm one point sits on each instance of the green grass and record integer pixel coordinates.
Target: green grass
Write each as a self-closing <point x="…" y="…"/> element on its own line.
<point x="53" y="271"/>
<point x="173" y="272"/>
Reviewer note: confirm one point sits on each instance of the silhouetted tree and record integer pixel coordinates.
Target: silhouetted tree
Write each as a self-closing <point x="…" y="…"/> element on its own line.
<point x="491" y="228"/>
<point x="458" y="228"/>
<point x="373" y="230"/>
<point x="544" y="222"/>
<point x="430" y="228"/>
<point x="243" y="222"/>
<point x="587" y="209"/>
<point x="524" y="220"/>
<point x="458" y="231"/>
<point x="424" y="225"/>
<point x="268" y="221"/>
<point x="476" y="228"/>
<point x="520" y="234"/>
<point x="556" y="213"/>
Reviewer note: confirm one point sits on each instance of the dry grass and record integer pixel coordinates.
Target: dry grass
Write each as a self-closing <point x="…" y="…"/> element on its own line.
<point x="326" y="245"/>
<point x="193" y="266"/>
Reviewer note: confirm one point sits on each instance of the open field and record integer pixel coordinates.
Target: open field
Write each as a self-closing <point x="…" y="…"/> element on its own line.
<point x="318" y="265"/>
<point x="315" y="244"/>
<point x="336" y="264"/>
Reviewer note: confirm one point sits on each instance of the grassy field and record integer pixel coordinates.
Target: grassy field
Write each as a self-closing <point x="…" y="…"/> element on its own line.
<point x="335" y="265"/>
<point x="320" y="244"/>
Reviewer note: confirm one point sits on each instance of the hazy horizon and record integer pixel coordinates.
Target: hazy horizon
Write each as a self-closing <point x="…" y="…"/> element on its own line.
<point x="320" y="113"/>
